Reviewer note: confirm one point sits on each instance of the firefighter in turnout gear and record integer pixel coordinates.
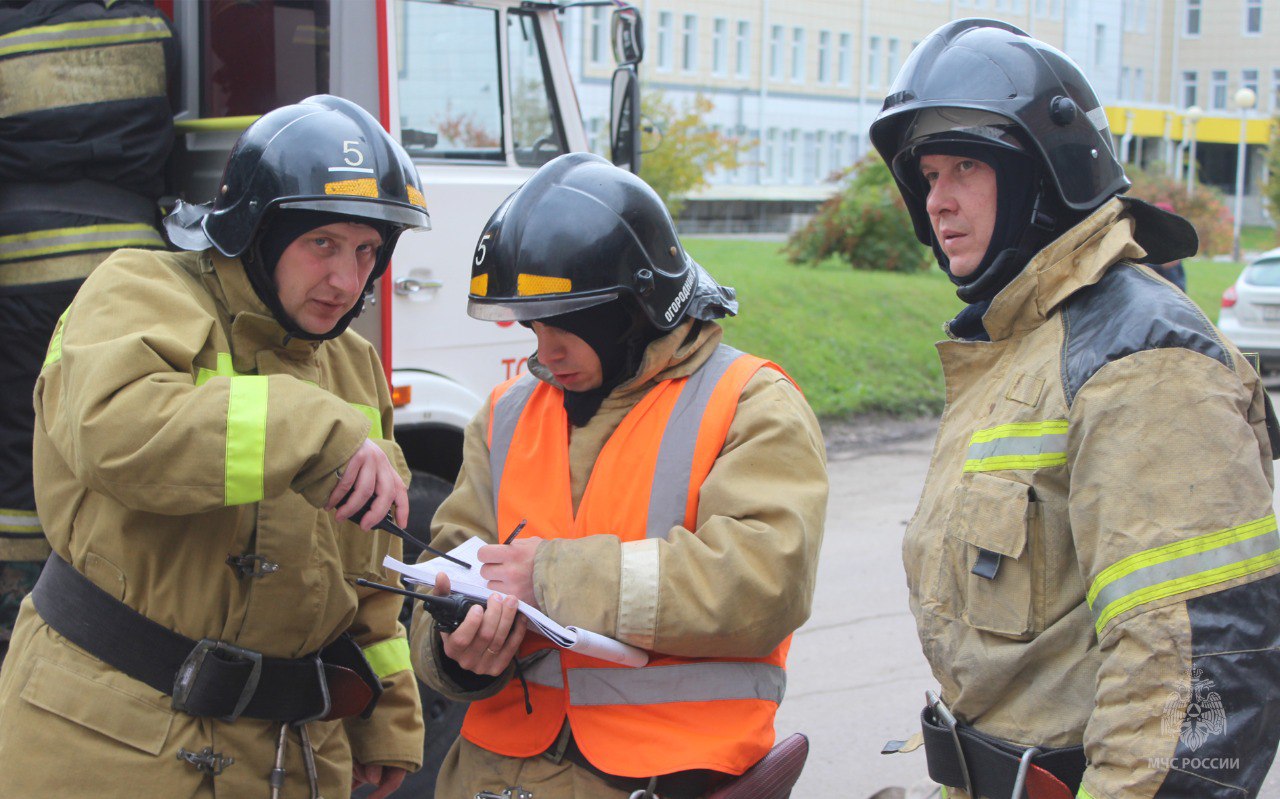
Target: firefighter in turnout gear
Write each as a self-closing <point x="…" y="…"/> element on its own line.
<point x="85" y="127"/>
<point x="1093" y="562"/>
<point x="207" y="433"/>
<point x="674" y="491"/>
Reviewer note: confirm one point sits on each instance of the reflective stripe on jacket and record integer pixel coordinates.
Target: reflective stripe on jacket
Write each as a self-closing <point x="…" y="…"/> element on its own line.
<point x="675" y="713"/>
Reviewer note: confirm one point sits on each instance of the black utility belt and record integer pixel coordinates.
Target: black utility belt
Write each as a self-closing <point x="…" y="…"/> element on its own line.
<point x="961" y="757"/>
<point x="207" y="677"/>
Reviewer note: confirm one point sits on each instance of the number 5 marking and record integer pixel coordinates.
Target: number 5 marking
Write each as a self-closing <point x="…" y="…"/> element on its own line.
<point x="482" y="250"/>
<point x="349" y="149"/>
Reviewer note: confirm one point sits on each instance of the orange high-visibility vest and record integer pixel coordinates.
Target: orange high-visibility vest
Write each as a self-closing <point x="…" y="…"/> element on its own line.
<point x="676" y="713"/>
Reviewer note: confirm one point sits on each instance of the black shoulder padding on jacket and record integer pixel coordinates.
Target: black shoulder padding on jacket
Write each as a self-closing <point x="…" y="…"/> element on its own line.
<point x="1125" y="312"/>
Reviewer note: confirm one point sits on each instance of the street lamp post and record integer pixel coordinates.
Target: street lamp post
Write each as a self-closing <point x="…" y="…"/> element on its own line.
<point x="1244" y="100"/>
<point x="1192" y="116"/>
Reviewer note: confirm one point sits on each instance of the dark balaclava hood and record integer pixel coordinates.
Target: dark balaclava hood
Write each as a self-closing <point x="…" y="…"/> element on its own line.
<point x="618" y="333"/>
<point x="280" y="230"/>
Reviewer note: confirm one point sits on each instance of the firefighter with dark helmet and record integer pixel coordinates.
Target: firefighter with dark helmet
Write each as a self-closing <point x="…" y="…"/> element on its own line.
<point x="1094" y="565"/>
<point x="207" y="433"/>
<point x="672" y="492"/>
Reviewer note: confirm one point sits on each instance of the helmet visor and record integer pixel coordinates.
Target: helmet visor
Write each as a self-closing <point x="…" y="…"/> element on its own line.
<point x="533" y="308"/>
<point x="394" y="213"/>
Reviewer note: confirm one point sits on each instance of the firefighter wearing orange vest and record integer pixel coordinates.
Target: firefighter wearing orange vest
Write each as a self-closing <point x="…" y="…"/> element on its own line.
<point x="674" y="491"/>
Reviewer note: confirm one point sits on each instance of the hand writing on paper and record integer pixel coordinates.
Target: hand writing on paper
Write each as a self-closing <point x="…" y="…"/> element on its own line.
<point x="488" y="638"/>
<point x="509" y="568"/>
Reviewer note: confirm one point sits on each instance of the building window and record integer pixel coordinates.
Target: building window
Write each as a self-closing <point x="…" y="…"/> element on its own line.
<point x="1252" y="17"/>
<point x="1218" y="90"/>
<point x="1189" y="82"/>
<point x="844" y="67"/>
<point x="776" y="44"/>
<point x="791" y="164"/>
<point x="1275" y="90"/>
<point x="873" y="61"/>
<point x="797" y="54"/>
<point x="1133" y="16"/>
<point x="720" y="46"/>
<point x="772" y="159"/>
<point x="1099" y="45"/>
<point x="664" y="41"/>
<point x="1139" y="88"/>
<point x="597" y="36"/>
<point x="891" y="61"/>
<point x="1249" y="80"/>
<point x="1126" y="78"/>
<point x="689" y="58"/>
<point x="1193" y="18"/>
<point x="1040" y="8"/>
<point x="824" y="56"/>
<point x="742" y="49"/>
<point x="821" y="167"/>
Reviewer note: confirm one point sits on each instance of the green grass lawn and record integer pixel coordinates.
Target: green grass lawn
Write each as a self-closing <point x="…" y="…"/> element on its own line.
<point x="860" y="342"/>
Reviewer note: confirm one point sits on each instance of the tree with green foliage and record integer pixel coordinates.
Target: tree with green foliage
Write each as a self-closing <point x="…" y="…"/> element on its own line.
<point x="1205" y="208"/>
<point x="680" y="150"/>
<point x="866" y="224"/>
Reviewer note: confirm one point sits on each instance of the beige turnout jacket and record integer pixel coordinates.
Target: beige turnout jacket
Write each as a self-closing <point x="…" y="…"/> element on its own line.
<point x="1094" y="554"/>
<point x="175" y="427"/>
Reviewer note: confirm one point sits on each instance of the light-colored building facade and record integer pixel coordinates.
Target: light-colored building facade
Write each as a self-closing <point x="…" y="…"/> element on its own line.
<point x="799" y="81"/>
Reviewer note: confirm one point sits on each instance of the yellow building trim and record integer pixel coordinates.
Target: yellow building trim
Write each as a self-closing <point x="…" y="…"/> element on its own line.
<point x="1215" y="128"/>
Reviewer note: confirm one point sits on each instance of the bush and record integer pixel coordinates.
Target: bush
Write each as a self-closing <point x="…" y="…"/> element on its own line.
<point x="1205" y="208"/>
<point x="681" y="150"/>
<point x="866" y="224"/>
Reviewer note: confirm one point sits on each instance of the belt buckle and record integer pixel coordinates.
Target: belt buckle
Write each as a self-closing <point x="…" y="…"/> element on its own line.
<point x="189" y="672"/>
<point x="943" y="714"/>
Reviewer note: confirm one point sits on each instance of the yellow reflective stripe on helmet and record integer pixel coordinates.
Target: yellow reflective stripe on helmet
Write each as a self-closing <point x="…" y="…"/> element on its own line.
<point x="480" y="285"/>
<point x="54" y="354"/>
<point x="90" y="33"/>
<point x="537" y="285"/>
<point x="373" y="416"/>
<point x="1018" y="445"/>
<point x="388" y="657"/>
<point x="1184" y="566"/>
<point x="416" y="198"/>
<point x="58" y="241"/>
<point x="19" y="522"/>
<point x="360" y="187"/>
<point x="246" y="440"/>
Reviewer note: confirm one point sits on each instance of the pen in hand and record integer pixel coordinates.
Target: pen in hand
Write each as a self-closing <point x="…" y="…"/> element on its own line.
<point x="516" y="531"/>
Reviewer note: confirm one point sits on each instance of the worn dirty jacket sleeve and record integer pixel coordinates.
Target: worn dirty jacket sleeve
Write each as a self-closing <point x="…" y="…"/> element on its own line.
<point x="743" y="580"/>
<point x="121" y="404"/>
<point x="1171" y="494"/>
<point x="393" y="735"/>
<point x="467" y="511"/>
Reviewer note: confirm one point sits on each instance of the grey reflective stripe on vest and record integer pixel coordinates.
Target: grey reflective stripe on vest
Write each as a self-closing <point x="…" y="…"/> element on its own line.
<point x="543" y="668"/>
<point x="506" y="415"/>
<point x="688" y="682"/>
<point x="87" y="33"/>
<point x="670" y="492"/>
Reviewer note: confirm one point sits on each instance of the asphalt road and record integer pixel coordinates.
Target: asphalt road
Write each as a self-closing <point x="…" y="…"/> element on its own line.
<point x="856" y="677"/>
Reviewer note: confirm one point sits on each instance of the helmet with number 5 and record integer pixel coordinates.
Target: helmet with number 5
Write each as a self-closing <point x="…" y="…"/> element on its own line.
<point x="323" y="154"/>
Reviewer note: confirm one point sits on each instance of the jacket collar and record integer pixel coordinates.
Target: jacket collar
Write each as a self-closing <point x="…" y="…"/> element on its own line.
<point x="1074" y="260"/>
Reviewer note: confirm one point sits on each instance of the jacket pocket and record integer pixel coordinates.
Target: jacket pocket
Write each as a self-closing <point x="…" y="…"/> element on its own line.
<point x="100" y="702"/>
<point x="362" y="551"/>
<point x="994" y="521"/>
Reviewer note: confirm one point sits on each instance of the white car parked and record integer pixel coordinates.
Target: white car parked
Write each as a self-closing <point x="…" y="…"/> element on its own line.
<point x="1250" y="314"/>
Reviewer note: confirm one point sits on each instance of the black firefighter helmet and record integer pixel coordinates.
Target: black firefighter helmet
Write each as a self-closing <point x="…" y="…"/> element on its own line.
<point x="983" y="75"/>
<point x="322" y="154"/>
<point x="582" y="232"/>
